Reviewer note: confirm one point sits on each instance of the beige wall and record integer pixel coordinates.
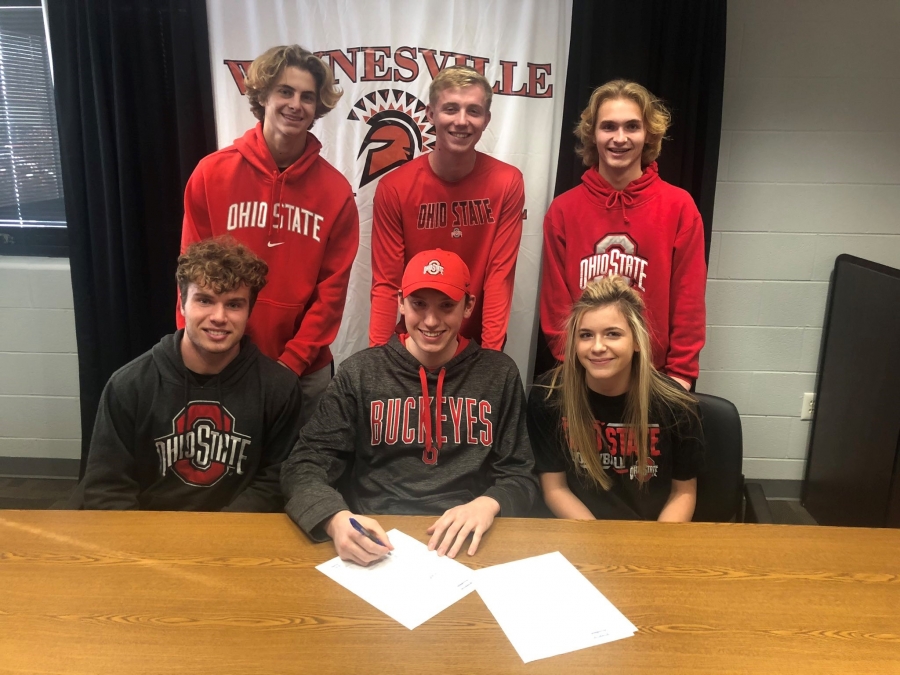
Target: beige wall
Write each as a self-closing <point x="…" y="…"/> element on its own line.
<point x="39" y="405"/>
<point x="809" y="168"/>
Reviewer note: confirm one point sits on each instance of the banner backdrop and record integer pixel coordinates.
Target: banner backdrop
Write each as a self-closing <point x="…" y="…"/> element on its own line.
<point x="384" y="55"/>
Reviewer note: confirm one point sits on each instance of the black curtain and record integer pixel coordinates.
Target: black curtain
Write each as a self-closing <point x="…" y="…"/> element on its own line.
<point x="675" y="48"/>
<point x="134" y="101"/>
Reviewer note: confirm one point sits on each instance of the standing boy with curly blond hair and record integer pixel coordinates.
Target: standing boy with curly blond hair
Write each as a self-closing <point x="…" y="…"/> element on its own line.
<point x="625" y="220"/>
<point x="202" y="421"/>
<point x="273" y="191"/>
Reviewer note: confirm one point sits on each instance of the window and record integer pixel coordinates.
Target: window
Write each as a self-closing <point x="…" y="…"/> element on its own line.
<point x="32" y="214"/>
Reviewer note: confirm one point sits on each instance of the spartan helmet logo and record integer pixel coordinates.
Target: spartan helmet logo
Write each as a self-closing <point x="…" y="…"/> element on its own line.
<point x="398" y="131"/>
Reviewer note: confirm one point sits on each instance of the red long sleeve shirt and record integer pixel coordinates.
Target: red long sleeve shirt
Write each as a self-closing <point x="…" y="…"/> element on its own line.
<point x="479" y="218"/>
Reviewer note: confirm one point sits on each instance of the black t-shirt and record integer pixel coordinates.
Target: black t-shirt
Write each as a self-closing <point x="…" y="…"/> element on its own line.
<point x="676" y="452"/>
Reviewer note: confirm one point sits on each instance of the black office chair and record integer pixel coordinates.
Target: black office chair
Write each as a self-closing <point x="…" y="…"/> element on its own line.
<point x="722" y="494"/>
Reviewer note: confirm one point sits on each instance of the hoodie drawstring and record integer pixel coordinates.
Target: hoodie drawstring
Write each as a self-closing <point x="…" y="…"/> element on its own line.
<point x="430" y="454"/>
<point x="623" y="199"/>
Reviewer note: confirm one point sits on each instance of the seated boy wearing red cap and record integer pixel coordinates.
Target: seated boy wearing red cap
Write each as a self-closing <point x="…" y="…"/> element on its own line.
<point x="429" y="423"/>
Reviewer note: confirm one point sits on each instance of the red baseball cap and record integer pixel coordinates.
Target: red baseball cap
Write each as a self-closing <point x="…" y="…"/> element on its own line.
<point x="441" y="270"/>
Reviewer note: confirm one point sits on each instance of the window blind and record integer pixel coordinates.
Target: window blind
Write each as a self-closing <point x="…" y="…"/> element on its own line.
<point x="31" y="192"/>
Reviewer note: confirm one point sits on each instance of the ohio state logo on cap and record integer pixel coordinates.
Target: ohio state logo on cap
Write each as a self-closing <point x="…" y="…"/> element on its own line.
<point x="439" y="270"/>
<point x="434" y="267"/>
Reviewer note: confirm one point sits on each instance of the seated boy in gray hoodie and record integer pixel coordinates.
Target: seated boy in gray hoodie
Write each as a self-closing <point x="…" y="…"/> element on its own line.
<point x="429" y="423"/>
<point x="203" y="420"/>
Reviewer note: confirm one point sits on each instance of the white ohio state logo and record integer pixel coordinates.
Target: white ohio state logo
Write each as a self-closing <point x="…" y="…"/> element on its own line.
<point x="614" y="255"/>
<point x="434" y="267"/>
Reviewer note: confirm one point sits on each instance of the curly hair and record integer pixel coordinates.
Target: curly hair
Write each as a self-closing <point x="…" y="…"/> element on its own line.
<point x="456" y="77"/>
<point x="221" y="265"/>
<point x="656" y="119"/>
<point x="268" y="67"/>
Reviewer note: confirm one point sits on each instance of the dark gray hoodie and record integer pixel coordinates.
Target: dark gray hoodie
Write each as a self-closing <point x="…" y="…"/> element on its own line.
<point x="163" y="441"/>
<point x="404" y="455"/>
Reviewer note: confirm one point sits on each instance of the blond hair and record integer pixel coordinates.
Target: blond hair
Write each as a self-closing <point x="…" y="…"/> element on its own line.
<point x="222" y="265"/>
<point x="457" y="77"/>
<point x="269" y="66"/>
<point x="656" y="119"/>
<point x="647" y="386"/>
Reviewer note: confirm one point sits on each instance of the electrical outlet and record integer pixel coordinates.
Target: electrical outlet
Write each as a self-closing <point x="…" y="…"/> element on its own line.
<point x="809" y="406"/>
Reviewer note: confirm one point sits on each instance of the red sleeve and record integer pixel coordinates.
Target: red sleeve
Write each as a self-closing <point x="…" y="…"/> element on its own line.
<point x="388" y="257"/>
<point x="555" y="300"/>
<point x="687" y="302"/>
<point x="325" y="307"/>
<point x="196" y="226"/>
<point x="501" y="267"/>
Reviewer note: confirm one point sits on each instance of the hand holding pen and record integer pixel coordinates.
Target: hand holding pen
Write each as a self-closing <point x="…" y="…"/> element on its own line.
<point x="366" y="533"/>
<point x="357" y="538"/>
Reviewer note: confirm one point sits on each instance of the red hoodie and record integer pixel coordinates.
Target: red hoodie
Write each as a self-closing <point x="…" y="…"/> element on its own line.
<point x="651" y="233"/>
<point x="302" y="221"/>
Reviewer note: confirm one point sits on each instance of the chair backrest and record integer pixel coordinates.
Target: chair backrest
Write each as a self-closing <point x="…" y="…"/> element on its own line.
<point x="720" y="485"/>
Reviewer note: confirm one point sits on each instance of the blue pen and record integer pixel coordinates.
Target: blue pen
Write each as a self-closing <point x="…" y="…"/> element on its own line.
<point x="364" y="532"/>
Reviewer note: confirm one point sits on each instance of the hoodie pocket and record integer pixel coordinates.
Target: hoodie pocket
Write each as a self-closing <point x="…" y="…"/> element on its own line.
<point x="445" y="500"/>
<point x="273" y="325"/>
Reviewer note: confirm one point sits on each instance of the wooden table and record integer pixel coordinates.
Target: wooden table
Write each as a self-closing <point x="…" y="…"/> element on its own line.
<point x="229" y="594"/>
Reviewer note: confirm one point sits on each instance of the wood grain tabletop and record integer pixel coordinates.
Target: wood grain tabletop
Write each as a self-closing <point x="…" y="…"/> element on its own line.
<point x="234" y="594"/>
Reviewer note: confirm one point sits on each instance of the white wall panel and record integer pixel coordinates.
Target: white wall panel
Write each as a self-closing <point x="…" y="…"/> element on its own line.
<point x="766" y="256"/>
<point x="814" y="157"/>
<point x="39" y="404"/>
<point x="38" y="374"/>
<point x="825" y="209"/>
<point x="54" y="417"/>
<point x="752" y="348"/>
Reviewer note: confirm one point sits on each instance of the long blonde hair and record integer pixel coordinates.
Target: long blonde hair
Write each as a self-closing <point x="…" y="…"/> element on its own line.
<point x="647" y="386"/>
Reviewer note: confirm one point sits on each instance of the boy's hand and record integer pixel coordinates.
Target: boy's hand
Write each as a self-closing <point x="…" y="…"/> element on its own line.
<point x="353" y="546"/>
<point x="456" y="524"/>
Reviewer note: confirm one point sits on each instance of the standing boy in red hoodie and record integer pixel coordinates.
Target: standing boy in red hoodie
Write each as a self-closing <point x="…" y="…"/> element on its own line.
<point x="625" y="220"/>
<point x="272" y="191"/>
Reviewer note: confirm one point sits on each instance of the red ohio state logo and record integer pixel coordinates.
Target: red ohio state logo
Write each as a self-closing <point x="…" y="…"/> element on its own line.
<point x="203" y="446"/>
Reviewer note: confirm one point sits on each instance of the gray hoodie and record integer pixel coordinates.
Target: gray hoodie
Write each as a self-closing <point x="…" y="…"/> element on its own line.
<point x="395" y="449"/>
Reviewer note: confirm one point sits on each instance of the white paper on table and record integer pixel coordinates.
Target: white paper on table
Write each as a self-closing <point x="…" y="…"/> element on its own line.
<point x="411" y="585"/>
<point x="547" y="607"/>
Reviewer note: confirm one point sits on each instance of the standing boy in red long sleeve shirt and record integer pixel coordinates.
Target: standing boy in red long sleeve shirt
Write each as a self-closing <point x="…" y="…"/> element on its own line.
<point x="272" y="191"/>
<point x="625" y="220"/>
<point x="456" y="199"/>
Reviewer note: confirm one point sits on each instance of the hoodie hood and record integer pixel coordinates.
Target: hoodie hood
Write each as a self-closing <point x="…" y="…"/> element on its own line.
<point x="605" y="196"/>
<point x="252" y="146"/>
<point x="405" y="360"/>
<point x="167" y="356"/>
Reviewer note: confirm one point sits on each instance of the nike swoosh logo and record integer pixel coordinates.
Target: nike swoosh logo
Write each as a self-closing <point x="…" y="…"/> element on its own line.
<point x="278" y="243"/>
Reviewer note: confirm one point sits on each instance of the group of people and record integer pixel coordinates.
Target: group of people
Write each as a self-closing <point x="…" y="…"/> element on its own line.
<point x="240" y="409"/>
